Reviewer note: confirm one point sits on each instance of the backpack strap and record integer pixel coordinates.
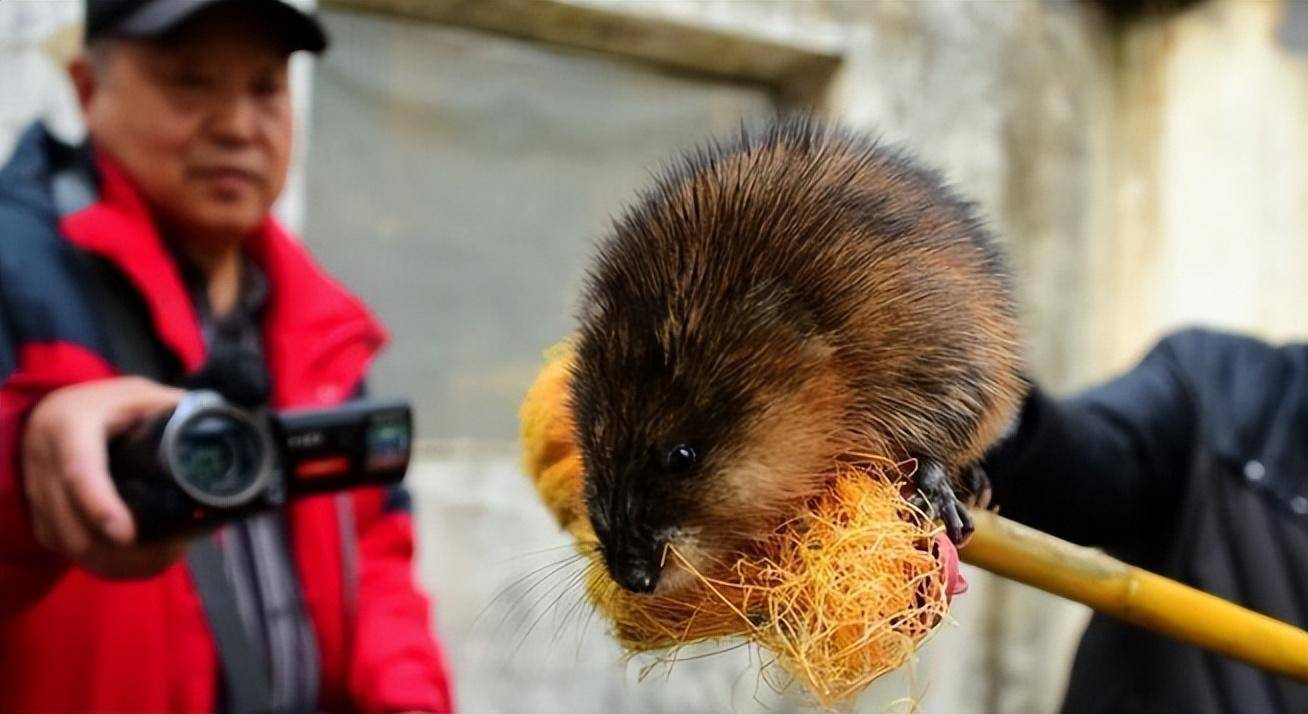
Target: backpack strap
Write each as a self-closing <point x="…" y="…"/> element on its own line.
<point x="134" y="349"/>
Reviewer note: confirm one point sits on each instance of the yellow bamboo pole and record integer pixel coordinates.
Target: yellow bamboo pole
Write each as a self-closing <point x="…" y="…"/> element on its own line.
<point x="1136" y="596"/>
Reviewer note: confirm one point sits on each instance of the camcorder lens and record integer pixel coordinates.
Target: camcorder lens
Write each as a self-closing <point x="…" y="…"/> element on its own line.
<point x="218" y="456"/>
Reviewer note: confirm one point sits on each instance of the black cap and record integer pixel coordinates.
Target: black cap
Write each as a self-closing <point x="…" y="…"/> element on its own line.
<point x="156" y="18"/>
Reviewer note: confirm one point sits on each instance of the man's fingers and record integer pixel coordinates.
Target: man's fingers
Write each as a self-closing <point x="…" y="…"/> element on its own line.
<point x="37" y="459"/>
<point x="91" y="491"/>
<point x="54" y="523"/>
<point x="42" y="528"/>
<point x="68" y="534"/>
<point x="75" y="508"/>
<point x="97" y="501"/>
<point x="146" y="399"/>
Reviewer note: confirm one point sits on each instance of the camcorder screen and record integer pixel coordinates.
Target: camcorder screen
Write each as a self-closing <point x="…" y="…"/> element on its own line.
<point x="388" y="442"/>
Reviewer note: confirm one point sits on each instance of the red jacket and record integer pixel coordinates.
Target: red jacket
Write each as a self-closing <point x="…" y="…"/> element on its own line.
<point x="70" y="640"/>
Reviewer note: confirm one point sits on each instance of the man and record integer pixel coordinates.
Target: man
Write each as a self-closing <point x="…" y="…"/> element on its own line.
<point x="1193" y="465"/>
<point x="148" y="252"/>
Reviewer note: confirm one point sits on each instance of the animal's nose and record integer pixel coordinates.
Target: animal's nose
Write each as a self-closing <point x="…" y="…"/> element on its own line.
<point x="637" y="578"/>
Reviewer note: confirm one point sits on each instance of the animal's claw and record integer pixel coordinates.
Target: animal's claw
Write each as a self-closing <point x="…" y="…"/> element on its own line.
<point x="935" y="497"/>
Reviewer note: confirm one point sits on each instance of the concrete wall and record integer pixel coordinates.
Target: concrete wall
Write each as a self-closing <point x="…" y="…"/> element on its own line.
<point x="34" y="38"/>
<point x="1210" y="178"/>
<point x="464" y="211"/>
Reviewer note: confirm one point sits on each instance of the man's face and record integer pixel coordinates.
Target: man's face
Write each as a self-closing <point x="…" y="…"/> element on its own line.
<point x="201" y="123"/>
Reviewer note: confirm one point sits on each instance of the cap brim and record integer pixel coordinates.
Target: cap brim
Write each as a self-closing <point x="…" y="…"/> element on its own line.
<point x="301" y="30"/>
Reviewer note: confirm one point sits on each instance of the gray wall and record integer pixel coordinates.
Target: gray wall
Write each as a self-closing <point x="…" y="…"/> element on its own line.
<point x="459" y="180"/>
<point x="34" y="37"/>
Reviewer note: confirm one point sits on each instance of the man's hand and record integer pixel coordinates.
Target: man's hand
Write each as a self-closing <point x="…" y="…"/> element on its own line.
<point x="75" y="509"/>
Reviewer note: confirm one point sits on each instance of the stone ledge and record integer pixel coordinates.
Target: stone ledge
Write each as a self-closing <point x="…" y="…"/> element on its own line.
<point x="790" y="65"/>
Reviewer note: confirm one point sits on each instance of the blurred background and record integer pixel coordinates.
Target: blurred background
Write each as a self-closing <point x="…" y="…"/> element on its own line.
<point x="1145" y="162"/>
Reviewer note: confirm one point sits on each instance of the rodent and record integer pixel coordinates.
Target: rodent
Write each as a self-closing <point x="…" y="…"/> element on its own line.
<point x="771" y="302"/>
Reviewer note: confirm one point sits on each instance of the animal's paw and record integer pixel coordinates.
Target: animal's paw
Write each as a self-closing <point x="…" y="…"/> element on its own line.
<point x="935" y="496"/>
<point x="976" y="484"/>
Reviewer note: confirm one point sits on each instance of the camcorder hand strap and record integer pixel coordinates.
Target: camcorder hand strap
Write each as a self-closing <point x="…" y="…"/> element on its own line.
<point x="244" y="671"/>
<point x="134" y="349"/>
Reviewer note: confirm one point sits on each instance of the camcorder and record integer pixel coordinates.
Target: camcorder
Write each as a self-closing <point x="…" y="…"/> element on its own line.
<point x="209" y="461"/>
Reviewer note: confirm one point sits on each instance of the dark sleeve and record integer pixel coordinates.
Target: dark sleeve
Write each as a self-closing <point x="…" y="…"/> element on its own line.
<point x="1104" y="467"/>
<point x="8" y="361"/>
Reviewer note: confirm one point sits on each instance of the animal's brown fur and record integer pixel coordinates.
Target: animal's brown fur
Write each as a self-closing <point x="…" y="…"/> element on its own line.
<point x="773" y="301"/>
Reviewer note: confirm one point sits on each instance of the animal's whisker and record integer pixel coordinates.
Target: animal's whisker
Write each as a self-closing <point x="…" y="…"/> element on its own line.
<point x="562" y="588"/>
<point x="536" y="577"/>
<point x="542" y="551"/>
<point x="577" y="585"/>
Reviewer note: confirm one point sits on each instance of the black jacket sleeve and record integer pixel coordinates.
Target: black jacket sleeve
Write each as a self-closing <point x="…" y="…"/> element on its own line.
<point x="1104" y="467"/>
<point x="8" y="360"/>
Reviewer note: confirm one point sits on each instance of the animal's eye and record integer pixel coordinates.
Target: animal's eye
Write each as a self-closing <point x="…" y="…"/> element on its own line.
<point x="681" y="458"/>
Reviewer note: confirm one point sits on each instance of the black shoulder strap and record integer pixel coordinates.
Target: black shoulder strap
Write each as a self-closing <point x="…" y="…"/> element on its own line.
<point x="128" y="338"/>
<point x="134" y="349"/>
<point x="245" y="674"/>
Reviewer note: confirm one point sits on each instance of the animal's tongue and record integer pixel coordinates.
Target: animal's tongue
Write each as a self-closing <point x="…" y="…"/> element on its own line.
<point x="954" y="582"/>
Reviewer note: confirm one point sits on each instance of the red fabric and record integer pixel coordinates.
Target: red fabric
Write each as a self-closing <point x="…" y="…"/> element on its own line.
<point x="384" y="604"/>
<point x="74" y="642"/>
<point x="119" y="228"/>
<point x="26" y="570"/>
